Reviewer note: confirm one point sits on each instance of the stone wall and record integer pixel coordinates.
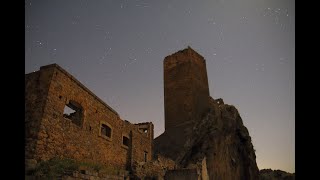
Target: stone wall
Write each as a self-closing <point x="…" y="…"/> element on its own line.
<point x="36" y="90"/>
<point x="186" y="88"/>
<point x="50" y="133"/>
<point x="83" y="175"/>
<point x="155" y="169"/>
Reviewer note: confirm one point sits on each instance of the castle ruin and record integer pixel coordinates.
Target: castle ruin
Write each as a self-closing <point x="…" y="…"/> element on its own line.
<point x="92" y="131"/>
<point x="203" y="139"/>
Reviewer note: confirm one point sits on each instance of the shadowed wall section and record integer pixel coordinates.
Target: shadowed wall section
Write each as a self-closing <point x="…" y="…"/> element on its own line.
<point x="186" y="89"/>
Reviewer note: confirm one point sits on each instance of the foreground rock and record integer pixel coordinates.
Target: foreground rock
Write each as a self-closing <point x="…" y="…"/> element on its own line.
<point x="269" y="174"/>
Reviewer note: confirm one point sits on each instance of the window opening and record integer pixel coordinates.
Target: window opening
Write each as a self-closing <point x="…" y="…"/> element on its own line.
<point x="105" y="130"/>
<point x="73" y="111"/>
<point x="145" y="156"/>
<point x="125" y="140"/>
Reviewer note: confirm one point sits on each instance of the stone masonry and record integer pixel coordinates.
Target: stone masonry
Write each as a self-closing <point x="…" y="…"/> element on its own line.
<point x="91" y="132"/>
<point x="186" y="88"/>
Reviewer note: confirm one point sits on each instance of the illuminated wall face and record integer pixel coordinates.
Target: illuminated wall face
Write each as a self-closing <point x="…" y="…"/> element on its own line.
<point x="66" y="119"/>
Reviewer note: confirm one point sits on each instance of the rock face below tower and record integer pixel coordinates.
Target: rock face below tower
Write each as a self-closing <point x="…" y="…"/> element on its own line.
<point x="213" y="144"/>
<point x="220" y="139"/>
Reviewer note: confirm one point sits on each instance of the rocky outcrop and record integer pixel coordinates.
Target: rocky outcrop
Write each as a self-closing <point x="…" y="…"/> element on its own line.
<point x="269" y="174"/>
<point x="221" y="140"/>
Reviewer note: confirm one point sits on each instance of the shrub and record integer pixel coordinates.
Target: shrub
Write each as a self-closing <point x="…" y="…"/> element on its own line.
<point x="56" y="167"/>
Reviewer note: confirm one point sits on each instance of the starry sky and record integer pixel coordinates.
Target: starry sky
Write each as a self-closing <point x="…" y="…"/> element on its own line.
<point x="116" y="49"/>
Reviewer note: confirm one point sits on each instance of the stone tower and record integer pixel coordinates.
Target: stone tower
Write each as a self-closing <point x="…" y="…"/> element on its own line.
<point x="201" y="134"/>
<point x="186" y="89"/>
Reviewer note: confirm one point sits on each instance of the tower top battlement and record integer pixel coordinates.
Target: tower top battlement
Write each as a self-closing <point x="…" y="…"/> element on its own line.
<point x="185" y="55"/>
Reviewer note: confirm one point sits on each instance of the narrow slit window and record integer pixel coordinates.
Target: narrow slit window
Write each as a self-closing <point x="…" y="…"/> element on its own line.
<point x="145" y="156"/>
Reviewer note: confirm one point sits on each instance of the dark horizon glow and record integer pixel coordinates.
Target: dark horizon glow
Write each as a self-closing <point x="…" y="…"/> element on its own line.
<point x="116" y="49"/>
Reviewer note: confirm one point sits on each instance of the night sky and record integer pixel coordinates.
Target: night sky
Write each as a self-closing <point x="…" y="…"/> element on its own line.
<point x="116" y="49"/>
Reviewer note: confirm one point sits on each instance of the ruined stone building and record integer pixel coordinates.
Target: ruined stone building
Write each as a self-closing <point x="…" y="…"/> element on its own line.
<point x="204" y="138"/>
<point x="92" y="131"/>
